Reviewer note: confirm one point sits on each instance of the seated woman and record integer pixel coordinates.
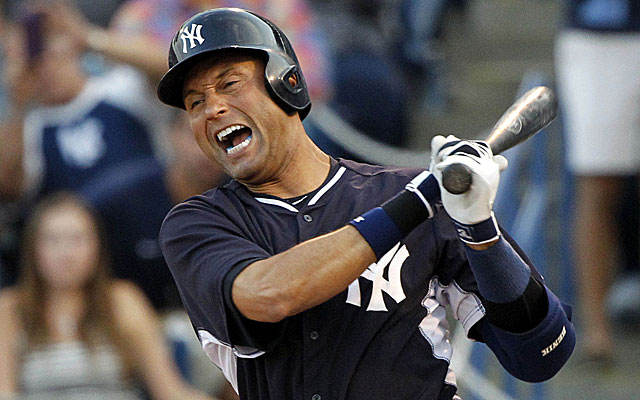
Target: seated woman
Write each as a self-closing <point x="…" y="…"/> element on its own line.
<point x="68" y="330"/>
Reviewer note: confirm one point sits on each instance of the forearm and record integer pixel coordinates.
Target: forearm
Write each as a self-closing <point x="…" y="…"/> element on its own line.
<point x="526" y="326"/>
<point x="136" y="50"/>
<point x="9" y="331"/>
<point x="302" y="277"/>
<point x="514" y="300"/>
<point x="8" y="372"/>
<point x="316" y="270"/>
<point x="11" y="158"/>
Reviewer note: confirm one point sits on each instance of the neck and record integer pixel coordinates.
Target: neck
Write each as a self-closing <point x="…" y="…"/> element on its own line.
<point x="63" y="313"/>
<point x="65" y="298"/>
<point x="305" y="170"/>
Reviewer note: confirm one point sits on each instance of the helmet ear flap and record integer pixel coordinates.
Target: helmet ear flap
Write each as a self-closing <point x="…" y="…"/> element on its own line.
<point x="292" y="78"/>
<point x="280" y="73"/>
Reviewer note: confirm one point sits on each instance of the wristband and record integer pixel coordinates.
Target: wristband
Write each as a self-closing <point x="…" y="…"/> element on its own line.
<point x="384" y="226"/>
<point x="481" y="233"/>
<point x="378" y="229"/>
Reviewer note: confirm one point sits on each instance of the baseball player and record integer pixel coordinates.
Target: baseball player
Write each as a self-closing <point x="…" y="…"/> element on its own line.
<point x="313" y="278"/>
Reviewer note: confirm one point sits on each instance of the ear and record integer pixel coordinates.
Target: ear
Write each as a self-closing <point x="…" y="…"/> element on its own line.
<point x="293" y="80"/>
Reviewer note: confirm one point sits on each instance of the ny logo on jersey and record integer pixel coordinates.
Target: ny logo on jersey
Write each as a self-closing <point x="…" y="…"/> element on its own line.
<point x="191" y="36"/>
<point x="393" y="260"/>
<point x="82" y="146"/>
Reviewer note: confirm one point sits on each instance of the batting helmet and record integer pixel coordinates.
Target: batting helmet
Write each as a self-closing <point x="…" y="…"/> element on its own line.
<point x="234" y="28"/>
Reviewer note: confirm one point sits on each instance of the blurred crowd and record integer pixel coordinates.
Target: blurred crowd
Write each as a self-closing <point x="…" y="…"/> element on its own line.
<point x="91" y="162"/>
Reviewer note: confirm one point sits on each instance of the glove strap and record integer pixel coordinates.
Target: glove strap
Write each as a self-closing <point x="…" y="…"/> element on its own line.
<point x="426" y="187"/>
<point x="481" y="233"/>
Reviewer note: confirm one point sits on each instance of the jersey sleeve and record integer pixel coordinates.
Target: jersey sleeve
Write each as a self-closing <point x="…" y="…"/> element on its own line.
<point x="203" y="247"/>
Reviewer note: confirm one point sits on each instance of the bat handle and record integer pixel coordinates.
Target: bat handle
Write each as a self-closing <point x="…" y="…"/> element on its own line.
<point x="456" y="178"/>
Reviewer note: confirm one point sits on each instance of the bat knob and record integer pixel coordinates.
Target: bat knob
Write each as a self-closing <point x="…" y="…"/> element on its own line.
<point x="456" y="178"/>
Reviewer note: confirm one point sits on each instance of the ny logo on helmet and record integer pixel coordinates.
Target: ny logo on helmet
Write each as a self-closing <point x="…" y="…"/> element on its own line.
<point x="191" y="36"/>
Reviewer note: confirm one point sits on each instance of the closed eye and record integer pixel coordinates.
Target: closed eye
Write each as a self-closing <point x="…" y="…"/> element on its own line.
<point x="195" y="103"/>
<point x="229" y="84"/>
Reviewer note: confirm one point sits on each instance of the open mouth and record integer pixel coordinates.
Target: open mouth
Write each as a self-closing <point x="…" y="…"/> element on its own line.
<point x="234" y="138"/>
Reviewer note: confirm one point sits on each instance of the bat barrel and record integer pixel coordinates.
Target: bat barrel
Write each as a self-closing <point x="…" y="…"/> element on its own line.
<point x="527" y="116"/>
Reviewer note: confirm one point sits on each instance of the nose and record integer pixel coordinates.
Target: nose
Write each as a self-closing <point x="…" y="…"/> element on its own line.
<point x="215" y="106"/>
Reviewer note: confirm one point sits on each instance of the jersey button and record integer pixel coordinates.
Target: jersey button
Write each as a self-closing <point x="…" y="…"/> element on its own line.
<point x="316" y="397"/>
<point x="307" y="218"/>
<point x="314" y="335"/>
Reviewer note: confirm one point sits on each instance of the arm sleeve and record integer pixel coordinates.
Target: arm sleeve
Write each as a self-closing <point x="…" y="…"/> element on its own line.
<point x="533" y="355"/>
<point x="534" y="347"/>
<point x="205" y="250"/>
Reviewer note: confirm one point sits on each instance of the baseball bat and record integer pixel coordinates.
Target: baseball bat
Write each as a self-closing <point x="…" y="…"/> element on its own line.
<point x="533" y="111"/>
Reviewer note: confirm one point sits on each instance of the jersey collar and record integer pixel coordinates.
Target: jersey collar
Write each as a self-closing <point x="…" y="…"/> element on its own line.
<point x="295" y="205"/>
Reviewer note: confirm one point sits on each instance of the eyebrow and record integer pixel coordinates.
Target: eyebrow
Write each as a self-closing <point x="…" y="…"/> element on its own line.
<point x="218" y="76"/>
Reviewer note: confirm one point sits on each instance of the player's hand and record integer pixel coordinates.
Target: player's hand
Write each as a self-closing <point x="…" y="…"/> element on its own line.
<point x="476" y="204"/>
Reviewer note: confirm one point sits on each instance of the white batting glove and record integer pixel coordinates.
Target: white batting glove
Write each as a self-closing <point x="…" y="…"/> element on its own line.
<point x="476" y="205"/>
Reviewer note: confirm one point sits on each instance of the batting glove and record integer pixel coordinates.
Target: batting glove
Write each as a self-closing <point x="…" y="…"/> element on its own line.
<point x="425" y="186"/>
<point x="472" y="211"/>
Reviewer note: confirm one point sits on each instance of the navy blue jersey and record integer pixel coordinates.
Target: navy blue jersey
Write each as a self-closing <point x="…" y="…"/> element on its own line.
<point x="385" y="337"/>
<point x="604" y="15"/>
<point x="106" y="124"/>
<point x="121" y="195"/>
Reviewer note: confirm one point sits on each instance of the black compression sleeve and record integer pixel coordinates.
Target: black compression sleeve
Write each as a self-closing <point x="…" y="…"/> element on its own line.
<point x="522" y="314"/>
<point x="406" y="210"/>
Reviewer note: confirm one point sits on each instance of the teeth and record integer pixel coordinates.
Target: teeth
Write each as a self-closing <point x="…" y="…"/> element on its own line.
<point x="222" y="134"/>
<point x="240" y="146"/>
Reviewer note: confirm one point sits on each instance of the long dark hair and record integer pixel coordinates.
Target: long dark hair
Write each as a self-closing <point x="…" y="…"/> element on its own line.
<point x="96" y="324"/>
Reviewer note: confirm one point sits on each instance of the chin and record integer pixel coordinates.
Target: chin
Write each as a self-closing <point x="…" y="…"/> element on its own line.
<point x="245" y="168"/>
<point x="245" y="174"/>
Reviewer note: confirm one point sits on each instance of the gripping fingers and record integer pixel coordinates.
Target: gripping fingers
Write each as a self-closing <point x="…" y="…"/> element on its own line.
<point x="474" y="205"/>
<point x="439" y="143"/>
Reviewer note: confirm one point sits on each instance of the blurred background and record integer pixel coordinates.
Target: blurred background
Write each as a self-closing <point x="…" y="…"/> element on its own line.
<point x="79" y="115"/>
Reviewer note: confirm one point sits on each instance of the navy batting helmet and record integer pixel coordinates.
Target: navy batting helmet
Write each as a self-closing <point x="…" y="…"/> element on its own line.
<point x="234" y="28"/>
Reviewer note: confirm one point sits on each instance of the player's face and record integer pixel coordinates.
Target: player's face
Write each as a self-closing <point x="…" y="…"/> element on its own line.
<point x="235" y="121"/>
